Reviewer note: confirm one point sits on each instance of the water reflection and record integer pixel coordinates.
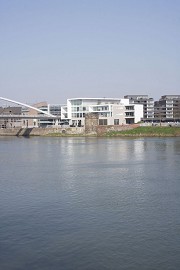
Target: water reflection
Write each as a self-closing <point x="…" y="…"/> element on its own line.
<point x="90" y="203"/>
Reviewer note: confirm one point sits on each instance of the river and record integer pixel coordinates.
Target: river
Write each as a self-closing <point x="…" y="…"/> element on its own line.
<point x="89" y="203"/>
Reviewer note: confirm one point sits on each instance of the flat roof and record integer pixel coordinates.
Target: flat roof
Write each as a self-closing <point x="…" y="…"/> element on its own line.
<point x="102" y="98"/>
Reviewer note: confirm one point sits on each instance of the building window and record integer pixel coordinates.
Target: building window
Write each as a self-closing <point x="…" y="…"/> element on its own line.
<point x="74" y="109"/>
<point x="76" y="102"/>
<point x="116" y="122"/>
<point x="129" y="113"/>
<point x="103" y="122"/>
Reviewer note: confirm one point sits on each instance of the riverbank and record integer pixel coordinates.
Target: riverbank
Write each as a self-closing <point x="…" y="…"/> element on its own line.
<point x="89" y="130"/>
<point x="100" y="131"/>
<point x="150" y="131"/>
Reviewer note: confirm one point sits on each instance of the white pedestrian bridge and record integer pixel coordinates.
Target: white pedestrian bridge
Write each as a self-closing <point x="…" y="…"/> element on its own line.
<point x="43" y="115"/>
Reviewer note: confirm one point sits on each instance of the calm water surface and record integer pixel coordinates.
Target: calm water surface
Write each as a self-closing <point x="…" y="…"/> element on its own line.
<point x="88" y="203"/>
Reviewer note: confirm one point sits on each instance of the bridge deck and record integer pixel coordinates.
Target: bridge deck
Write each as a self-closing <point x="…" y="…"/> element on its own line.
<point x="9" y="116"/>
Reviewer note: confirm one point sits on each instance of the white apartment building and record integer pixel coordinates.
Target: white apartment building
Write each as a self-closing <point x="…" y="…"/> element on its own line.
<point x="148" y="104"/>
<point x="112" y="111"/>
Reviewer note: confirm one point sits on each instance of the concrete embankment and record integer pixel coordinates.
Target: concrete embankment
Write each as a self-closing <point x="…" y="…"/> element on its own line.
<point x="120" y="131"/>
<point x="41" y="131"/>
<point x="59" y="131"/>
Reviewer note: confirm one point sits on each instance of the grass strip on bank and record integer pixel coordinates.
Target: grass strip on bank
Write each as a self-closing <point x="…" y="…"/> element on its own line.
<point x="57" y="134"/>
<point x="147" y="131"/>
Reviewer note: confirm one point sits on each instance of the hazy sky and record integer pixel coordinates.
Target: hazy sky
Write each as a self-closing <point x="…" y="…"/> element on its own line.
<point x="57" y="49"/>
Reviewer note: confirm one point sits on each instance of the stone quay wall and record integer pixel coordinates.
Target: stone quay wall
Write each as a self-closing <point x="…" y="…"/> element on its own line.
<point x="69" y="131"/>
<point x="41" y="131"/>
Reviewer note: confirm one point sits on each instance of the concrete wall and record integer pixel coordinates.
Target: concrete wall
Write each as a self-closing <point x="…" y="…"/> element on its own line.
<point x="41" y="131"/>
<point x="138" y="112"/>
<point x="93" y="130"/>
<point x="118" y="113"/>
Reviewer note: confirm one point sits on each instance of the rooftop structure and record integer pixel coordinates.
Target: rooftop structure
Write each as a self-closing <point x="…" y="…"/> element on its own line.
<point x="167" y="97"/>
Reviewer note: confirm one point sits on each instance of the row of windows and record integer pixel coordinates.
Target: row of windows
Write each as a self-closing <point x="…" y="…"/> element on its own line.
<point x="105" y="114"/>
<point x="129" y="114"/>
<point x="77" y="109"/>
<point x="103" y="122"/>
<point x="98" y="108"/>
<point x="101" y="108"/>
<point x="78" y="115"/>
<point x="76" y="102"/>
<point x="129" y="107"/>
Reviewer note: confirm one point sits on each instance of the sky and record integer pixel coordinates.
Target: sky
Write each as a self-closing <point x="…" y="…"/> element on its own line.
<point x="52" y="50"/>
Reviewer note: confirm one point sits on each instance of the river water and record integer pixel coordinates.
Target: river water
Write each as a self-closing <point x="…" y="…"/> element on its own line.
<point x="89" y="203"/>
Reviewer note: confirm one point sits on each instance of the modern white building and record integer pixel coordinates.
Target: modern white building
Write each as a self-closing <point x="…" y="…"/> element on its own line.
<point x="112" y="111"/>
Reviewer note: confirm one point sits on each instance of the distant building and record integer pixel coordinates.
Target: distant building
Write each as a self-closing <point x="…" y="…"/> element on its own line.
<point x="8" y="111"/>
<point x="54" y="109"/>
<point x="167" y="108"/>
<point x="148" y="104"/>
<point x="28" y="111"/>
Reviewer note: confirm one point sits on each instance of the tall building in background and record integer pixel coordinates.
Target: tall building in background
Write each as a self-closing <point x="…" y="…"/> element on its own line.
<point x="167" y="108"/>
<point x="148" y="104"/>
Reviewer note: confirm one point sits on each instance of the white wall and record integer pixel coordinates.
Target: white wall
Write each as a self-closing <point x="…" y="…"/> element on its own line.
<point x="118" y="112"/>
<point x="138" y="112"/>
<point x="124" y="101"/>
